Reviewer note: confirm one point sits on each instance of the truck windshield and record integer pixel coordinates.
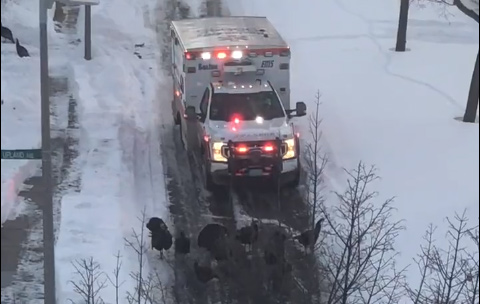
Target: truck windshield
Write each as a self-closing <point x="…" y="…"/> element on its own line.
<point x="248" y="106"/>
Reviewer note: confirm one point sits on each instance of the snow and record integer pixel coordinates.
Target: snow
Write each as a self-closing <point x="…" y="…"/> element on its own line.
<point x="116" y="92"/>
<point x="20" y="103"/>
<point x="117" y="96"/>
<point x="395" y="111"/>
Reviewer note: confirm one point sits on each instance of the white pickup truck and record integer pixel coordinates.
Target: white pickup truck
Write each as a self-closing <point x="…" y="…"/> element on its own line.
<point x="232" y="98"/>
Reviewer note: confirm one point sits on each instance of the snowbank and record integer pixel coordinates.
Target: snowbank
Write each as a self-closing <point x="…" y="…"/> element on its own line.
<point x="393" y="110"/>
<point x="20" y="81"/>
<point x="116" y="92"/>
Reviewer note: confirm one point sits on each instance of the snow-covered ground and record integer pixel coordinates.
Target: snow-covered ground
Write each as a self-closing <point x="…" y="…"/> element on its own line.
<point x="117" y="99"/>
<point x="20" y="87"/>
<point x="116" y="94"/>
<point x="20" y="101"/>
<point x="395" y="111"/>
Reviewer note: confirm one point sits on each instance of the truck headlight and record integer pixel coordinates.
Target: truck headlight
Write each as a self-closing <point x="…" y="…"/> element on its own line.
<point x="291" y="149"/>
<point x="217" y="152"/>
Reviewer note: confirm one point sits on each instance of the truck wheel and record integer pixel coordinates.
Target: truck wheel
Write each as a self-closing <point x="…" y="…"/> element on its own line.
<point x="296" y="180"/>
<point x="208" y="179"/>
<point x="182" y="141"/>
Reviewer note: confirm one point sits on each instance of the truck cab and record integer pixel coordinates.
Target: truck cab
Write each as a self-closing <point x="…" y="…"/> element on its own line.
<point x="243" y="130"/>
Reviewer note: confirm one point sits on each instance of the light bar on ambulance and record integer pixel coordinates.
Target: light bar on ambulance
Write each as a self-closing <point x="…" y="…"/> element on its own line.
<point x="237" y="54"/>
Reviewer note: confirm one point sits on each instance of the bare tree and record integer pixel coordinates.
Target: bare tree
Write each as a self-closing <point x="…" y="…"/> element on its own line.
<point x="153" y="291"/>
<point x="471" y="9"/>
<point x="360" y="254"/>
<point x="472" y="275"/>
<point x="424" y="262"/>
<point x="149" y="288"/>
<point x="91" y="280"/>
<point x="468" y="7"/>
<point x="137" y="244"/>
<point x="115" y="281"/>
<point x="315" y="161"/>
<point x="401" y="45"/>
<point x="448" y="275"/>
<point x="449" y="265"/>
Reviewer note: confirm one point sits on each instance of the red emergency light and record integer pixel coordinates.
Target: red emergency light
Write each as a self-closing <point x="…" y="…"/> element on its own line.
<point x="237" y="54"/>
<point x="236" y="119"/>
<point x="241" y="149"/>
<point x="269" y="148"/>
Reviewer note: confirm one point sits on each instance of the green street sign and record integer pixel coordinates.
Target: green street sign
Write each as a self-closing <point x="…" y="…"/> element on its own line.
<point x="22" y="154"/>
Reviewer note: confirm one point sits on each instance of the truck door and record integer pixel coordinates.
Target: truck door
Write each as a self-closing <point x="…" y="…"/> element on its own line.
<point x="198" y="127"/>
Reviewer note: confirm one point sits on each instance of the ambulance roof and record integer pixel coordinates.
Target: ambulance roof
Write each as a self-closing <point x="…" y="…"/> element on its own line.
<point x="209" y="33"/>
<point x="233" y="88"/>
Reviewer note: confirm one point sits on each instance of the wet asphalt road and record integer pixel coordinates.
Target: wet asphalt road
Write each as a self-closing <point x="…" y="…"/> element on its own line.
<point x="250" y="280"/>
<point x="246" y="279"/>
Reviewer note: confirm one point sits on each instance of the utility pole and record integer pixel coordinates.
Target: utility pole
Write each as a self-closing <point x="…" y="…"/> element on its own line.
<point x="88" y="32"/>
<point x="47" y="203"/>
<point x="88" y="24"/>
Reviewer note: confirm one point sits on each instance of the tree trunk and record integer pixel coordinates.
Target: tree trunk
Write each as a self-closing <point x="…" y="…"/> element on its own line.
<point x="402" y="26"/>
<point x="465" y="10"/>
<point x="472" y="102"/>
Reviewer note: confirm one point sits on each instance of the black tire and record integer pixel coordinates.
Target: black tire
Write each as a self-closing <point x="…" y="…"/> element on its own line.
<point x="180" y="133"/>
<point x="295" y="182"/>
<point x="208" y="178"/>
<point x="176" y="119"/>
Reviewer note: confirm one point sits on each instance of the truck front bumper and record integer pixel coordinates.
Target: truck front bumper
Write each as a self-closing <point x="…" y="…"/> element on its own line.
<point x="221" y="176"/>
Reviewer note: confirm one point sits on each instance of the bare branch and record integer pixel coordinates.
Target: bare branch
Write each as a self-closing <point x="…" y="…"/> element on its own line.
<point x="446" y="273"/>
<point x="115" y="281"/>
<point x="361" y="260"/>
<point x="423" y="262"/>
<point x="138" y="245"/>
<point x="315" y="163"/>
<point x="472" y="270"/>
<point x="468" y="7"/>
<point x="91" y="281"/>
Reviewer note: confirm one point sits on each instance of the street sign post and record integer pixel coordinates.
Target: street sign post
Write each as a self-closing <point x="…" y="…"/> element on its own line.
<point x="47" y="179"/>
<point x="88" y="23"/>
<point x="22" y="154"/>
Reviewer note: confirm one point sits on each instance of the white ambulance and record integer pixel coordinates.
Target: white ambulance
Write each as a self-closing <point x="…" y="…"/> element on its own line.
<point x="231" y="82"/>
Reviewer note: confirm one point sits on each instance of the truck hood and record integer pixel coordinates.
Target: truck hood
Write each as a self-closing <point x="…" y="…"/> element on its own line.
<point x="250" y="130"/>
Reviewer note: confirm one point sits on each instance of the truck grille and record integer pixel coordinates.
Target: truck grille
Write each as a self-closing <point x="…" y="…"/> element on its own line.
<point x="253" y="146"/>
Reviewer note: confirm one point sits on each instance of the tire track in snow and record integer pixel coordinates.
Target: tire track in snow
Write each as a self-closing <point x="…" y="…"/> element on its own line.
<point x="288" y="210"/>
<point x="188" y="204"/>
<point x="188" y="201"/>
<point x="140" y="136"/>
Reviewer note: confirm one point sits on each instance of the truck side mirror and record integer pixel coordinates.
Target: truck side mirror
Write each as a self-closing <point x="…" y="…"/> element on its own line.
<point x="301" y="109"/>
<point x="191" y="113"/>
